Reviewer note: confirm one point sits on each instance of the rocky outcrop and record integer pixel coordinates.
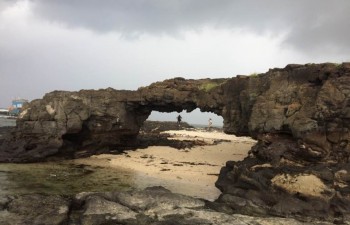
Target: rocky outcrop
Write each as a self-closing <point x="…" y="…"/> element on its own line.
<point x="300" y="166"/>
<point x="300" y="116"/>
<point x="310" y="103"/>
<point x="76" y="124"/>
<point x="152" y="206"/>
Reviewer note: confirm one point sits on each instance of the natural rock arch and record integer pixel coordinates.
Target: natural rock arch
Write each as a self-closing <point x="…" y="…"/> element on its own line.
<point x="306" y="102"/>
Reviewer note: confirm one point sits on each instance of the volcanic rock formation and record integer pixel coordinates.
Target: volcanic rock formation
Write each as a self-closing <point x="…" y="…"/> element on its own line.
<point x="152" y="206"/>
<point x="300" y="116"/>
<point x="74" y="124"/>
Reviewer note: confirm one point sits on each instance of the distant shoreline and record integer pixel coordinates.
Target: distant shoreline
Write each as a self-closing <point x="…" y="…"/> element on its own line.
<point x="204" y="125"/>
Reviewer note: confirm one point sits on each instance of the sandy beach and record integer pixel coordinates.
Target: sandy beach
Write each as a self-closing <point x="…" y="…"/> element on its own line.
<point x="188" y="171"/>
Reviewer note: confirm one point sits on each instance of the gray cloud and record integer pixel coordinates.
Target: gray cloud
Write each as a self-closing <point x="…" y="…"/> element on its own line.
<point x="6" y="3"/>
<point x="51" y="45"/>
<point x="312" y="25"/>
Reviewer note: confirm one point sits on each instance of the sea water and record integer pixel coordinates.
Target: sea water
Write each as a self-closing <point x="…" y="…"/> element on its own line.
<point x="63" y="178"/>
<point x="69" y="177"/>
<point x="5" y="122"/>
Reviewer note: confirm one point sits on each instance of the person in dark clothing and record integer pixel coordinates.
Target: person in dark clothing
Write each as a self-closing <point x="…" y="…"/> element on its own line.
<point x="179" y="120"/>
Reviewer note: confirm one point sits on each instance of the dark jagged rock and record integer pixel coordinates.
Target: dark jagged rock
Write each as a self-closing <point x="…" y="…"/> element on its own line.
<point x="4" y="133"/>
<point x="300" y="116"/>
<point x="300" y="165"/>
<point x="152" y="206"/>
<point x="34" y="209"/>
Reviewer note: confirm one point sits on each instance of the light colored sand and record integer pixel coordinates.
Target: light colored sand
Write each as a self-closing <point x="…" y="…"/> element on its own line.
<point x="306" y="184"/>
<point x="190" y="171"/>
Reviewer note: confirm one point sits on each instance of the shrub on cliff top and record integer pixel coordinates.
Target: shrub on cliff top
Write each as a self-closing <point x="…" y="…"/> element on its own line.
<point x="210" y="85"/>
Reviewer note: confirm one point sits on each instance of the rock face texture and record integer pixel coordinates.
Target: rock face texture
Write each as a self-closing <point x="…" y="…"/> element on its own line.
<point x="152" y="206"/>
<point x="76" y="124"/>
<point x="300" y="116"/>
<point x="300" y="166"/>
<point x="308" y="103"/>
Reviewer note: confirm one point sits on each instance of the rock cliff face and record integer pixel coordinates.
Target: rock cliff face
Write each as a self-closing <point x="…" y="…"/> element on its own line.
<point x="300" y="116"/>
<point x="300" y="165"/>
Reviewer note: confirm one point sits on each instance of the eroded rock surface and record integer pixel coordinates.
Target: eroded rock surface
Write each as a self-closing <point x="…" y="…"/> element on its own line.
<point x="300" y="116"/>
<point x="34" y="209"/>
<point x="152" y="206"/>
<point x="300" y="165"/>
<point x="77" y="124"/>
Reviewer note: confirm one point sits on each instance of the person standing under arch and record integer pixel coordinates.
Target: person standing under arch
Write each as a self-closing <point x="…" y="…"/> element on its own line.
<point x="179" y="118"/>
<point x="210" y="123"/>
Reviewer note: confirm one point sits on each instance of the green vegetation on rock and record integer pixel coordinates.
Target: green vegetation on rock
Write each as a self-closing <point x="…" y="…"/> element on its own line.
<point x="210" y="85"/>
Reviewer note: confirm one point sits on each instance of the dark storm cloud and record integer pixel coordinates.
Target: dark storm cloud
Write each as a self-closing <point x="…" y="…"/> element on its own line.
<point x="311" y="25"/>
<point x="157" y="15"/>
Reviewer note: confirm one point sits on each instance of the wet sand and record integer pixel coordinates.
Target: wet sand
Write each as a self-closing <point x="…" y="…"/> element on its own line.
<point x="189" y="171"/>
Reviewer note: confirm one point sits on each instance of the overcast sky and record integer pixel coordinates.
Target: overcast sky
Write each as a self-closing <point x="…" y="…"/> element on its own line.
<point x="48" y="45"/>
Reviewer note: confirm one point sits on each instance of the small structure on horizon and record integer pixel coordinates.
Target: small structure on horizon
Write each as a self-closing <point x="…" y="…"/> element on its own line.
<point x="17" y="105"/>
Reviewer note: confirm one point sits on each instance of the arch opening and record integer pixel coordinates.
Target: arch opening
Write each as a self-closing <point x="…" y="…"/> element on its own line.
<point x="196" y="118"/>
<point x="185" y="161"/>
